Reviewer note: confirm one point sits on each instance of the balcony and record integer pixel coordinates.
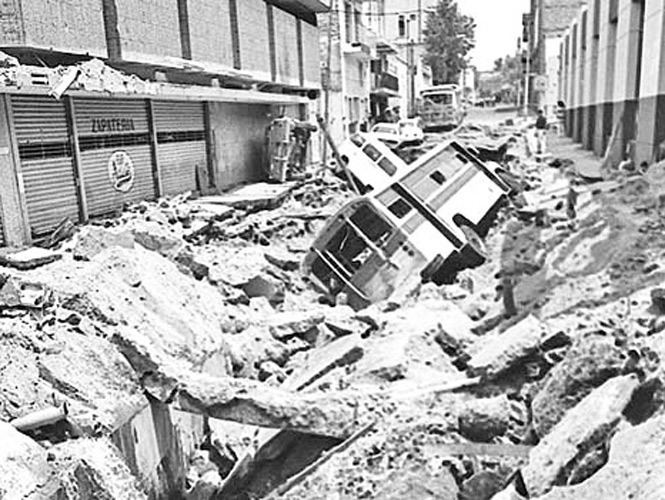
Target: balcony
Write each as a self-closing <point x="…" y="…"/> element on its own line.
<point x="360" y="43"/>
<point x="385" y="84"/>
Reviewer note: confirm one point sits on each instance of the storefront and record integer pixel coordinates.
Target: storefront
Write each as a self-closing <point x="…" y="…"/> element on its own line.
<point x="181" y="144"/>
<point x="86" y="157"/>
<point x="45" y="152"/>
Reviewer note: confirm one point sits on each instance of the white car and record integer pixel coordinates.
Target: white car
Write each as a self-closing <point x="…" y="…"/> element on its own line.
<point x="388" y="133"/>
<point x="411" y="132"/>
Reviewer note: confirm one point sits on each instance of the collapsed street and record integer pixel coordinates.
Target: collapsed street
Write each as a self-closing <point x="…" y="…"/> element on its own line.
<point x="182" y="334"/>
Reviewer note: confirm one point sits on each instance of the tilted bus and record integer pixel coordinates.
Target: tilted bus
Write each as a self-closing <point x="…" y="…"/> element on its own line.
<point x="423" y="222"/>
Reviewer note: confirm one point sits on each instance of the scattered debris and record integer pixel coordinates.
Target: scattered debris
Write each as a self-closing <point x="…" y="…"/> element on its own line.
<point x="31" y="258"/>
<point x="184" y="330"/>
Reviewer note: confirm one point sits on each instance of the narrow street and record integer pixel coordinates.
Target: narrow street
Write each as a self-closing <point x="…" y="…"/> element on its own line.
<point x="443" y="394"/>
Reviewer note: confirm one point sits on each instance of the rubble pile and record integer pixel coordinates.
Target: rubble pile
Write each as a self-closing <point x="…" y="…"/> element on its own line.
<point x="536" y="375"/>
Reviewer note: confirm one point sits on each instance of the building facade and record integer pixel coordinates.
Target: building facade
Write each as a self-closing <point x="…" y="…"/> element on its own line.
<point x="180" y="102"/>
<point x="612" y="71"/>
<point x="550" y="19"/>
<point x="405" y="23"/>
<point x="371" y="53"/>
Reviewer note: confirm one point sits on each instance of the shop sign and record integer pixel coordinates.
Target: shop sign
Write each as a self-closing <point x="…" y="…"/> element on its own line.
<point x="121" y="171"/>
<point x="112" y="125"/>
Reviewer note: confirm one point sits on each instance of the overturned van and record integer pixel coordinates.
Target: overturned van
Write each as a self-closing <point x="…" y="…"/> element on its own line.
<point x="423" y="222"/>
<point x="370" y="161"/>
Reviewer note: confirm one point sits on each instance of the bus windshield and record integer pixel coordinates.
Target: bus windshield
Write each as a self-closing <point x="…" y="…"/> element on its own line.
<point x="439" y="98"/>
<point x="358" y="237"/>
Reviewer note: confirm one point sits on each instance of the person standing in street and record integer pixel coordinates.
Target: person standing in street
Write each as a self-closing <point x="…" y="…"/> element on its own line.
<point x="561" y="117"/>
<point x="541" y="133"/>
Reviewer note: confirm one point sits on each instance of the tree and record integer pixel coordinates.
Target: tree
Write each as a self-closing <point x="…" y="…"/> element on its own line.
<point x="449" y="36"/>
<point x="498" y="64"/>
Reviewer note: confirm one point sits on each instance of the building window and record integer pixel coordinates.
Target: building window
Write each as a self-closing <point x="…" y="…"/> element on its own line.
<point x="348" y="22"/>
<point x="356" y="24"/>
<point x="401" y="26"/>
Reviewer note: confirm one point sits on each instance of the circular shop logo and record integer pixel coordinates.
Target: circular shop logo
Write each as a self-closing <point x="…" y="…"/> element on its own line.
<point x="121" y="171"/>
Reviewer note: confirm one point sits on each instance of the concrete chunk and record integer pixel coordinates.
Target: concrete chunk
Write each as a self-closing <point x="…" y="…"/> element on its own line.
<point x="634" y="469"/>
<point x="584" y="426"/>
<point x="31" y="258"/>
<point x="341" y="352"/>
<point x="497" y="353"/>
<point x="289" y="324"/>
<point x="587" y="364"/>
<point x="93" y="240"/>
<point x="24" y="470"/>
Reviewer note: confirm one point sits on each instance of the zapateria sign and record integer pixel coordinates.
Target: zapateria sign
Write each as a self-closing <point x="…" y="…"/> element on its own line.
<point x="121" y="171"/>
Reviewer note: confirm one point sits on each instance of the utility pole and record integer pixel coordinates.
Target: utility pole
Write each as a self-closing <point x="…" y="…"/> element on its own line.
<point x="527" y="36"/>
<point x="526" y="81"/>
<point x="420" y="21"/>
<point x="410" y="63"/>
<point x="326" y="104"/>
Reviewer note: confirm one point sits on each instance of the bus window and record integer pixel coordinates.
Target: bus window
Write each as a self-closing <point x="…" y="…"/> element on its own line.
<point x="375" y="227"/>
<point x="357" y="140"/>
<point x="446" y="99"/>
<point x="387" y="166"/>
<point x="351" y="246"/>
<point x="400" y="208"/>
<point x="438" y="177"/>
<point x="348" y="248"/>
<point x="372" y="152"/>
<point x="462" y="158"/>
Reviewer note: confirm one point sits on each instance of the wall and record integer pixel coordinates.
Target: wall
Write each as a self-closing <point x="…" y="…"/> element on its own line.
<point x="552" y="64"/>
<point x="148" y="27"/>
<point x="286" y="48"/>
<point x="211" y="37"/>
<point x="623" y="91"/>
<point x="391" y="23"/>
<point x="311" y="54"/>
<point x="238" y="134"/>
<point x="63" y="25"/>
<point x="254" y="37"/>
<point x="651" y="132"/>
<point x="14" y="230"/>
<point x="557" y="15"/>
<point x="164" y="32"/>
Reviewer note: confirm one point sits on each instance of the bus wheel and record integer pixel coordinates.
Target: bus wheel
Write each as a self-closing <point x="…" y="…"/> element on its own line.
<point x="474" y="252"/>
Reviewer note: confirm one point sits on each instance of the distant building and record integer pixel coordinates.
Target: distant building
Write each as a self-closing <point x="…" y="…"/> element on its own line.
<point x="371" y="53"/>
<point x="405" y="23"/>
<point x="550" y="19"/>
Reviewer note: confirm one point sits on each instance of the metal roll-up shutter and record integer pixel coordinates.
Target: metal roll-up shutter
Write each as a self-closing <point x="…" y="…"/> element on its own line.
<point x="116" y="159"/>
<point x="181" y="143"/>
<point x="46" y="161"/>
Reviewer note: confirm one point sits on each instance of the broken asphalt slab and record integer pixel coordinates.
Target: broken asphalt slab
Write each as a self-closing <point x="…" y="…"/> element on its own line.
<point x="499" y="352"/>
<point x="30" y="258"/>
<point x="250" y="197"/>
<point x="634" y="468"/>
<point x="583" y="428"/>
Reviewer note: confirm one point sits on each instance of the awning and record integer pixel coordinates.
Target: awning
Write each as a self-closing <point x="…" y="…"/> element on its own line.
<point x="304" y="5"/>
<point x="176" y="93"/>
<point x="385" y="92"/>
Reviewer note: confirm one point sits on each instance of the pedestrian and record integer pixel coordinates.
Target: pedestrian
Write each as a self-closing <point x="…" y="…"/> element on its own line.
<point x="561" y="118"/>
<point x="541" y="133"/>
